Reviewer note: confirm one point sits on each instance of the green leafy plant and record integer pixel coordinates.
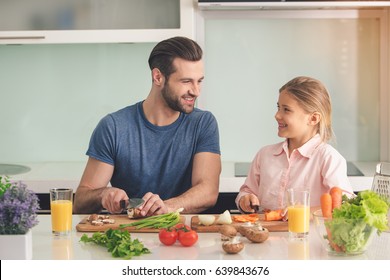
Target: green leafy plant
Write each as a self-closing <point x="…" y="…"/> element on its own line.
<point x="4" y="185"/>
<point x="118" y="242"/>
<point x="351" y="225"/>
<point x="18" y="207"/>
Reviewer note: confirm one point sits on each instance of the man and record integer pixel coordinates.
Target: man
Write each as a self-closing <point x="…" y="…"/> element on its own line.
<point x="162" y="149"/>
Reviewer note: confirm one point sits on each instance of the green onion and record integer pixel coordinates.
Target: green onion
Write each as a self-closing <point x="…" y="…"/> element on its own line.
<point x="159" y="221"/>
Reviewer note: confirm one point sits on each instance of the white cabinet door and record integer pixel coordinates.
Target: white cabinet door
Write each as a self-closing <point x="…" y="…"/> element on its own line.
<point x="94" y="21"/>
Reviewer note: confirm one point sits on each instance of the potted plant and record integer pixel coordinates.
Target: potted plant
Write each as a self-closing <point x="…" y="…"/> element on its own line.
<point x="18" y="214"/>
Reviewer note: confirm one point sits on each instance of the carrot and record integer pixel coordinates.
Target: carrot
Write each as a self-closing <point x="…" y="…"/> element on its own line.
<point x="246" y="218"/>
<point x="326" y="205"/>
<point x="273" y="215"/>
<point x="335" y="247"/>
<point x="336" y="193"/>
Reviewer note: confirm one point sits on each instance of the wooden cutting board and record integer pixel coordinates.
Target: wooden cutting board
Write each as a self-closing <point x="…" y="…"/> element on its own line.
<point x="270" y="225"/>
<point x="85" y="226"/>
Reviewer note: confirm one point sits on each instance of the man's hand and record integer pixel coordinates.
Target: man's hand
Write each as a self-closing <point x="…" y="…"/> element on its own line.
<point x="111" y="198"/>
<point x="153" y="205"/>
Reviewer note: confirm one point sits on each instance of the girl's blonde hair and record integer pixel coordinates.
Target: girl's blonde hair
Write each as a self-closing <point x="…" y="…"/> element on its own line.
<point x="312" y="96"/>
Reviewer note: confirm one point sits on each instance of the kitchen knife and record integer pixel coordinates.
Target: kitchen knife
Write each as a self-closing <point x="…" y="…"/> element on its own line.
<point x="257" y="208"/>
<point x="131" y="203"/>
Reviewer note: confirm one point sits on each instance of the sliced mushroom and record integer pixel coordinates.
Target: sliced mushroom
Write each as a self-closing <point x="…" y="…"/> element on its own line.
<point x="97" y="223"/>
<point x="108" y="221"/>
<point x="134" y="213"/>
<point x="99" y="220"/>
<point x="92" y="217"/>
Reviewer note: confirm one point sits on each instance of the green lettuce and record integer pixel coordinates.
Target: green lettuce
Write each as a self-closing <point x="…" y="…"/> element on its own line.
<point x="352" y="224"/>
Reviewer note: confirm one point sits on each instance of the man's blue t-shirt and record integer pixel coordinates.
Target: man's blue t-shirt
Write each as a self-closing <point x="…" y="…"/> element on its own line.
<point x="149" y="158"/>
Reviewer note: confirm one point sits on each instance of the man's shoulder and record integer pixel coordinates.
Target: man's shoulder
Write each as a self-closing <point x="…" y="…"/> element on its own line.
<point x="125" y="114"/>
<point x="131" y="109"/>
<point x="200" y="113"/>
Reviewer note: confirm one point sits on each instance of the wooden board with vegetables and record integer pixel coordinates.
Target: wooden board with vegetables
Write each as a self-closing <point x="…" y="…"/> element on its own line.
<point x="238" y="220"/>
<point x="85" y="226"/>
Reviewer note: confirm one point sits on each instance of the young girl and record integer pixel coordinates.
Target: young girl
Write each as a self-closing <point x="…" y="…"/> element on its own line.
<point x="304" y="160"/>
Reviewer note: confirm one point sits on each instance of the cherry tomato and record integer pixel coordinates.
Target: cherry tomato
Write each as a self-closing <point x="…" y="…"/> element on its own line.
<point x="188" y="237"/>
<point x="167" y="237"/>
<point x="180" y="228"/>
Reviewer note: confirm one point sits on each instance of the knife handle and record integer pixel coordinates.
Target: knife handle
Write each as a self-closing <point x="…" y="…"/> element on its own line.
<point x="256" y="208"/>
<point x="122" y="204"/>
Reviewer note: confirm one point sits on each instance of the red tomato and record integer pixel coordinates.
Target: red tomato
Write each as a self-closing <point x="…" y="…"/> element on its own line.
<point x="180" y="228"/>
<point x="167" y="237"/>
<point x="188" y="237"/>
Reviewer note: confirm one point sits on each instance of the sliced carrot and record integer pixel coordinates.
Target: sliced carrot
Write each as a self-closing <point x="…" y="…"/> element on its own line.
<point x="273" y="215"/>
<point x="326" y="205"/>
<point x="337" y="195"/>
<point x="246" y="218"/>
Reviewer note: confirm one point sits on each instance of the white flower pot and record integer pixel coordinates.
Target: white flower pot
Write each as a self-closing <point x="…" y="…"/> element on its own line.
<point x="16" y="246"/>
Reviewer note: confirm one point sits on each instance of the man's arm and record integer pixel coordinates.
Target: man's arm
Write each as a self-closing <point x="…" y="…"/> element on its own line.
<point x="205" y="185"/>
<point x="93" y="194"/>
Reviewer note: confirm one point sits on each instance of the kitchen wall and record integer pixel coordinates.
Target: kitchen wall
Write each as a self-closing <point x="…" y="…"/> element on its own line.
<point x="52" y="96"/>
<point x="248" y="60"/>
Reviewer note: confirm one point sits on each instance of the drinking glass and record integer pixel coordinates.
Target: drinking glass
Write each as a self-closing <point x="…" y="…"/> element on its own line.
<point x="298" y="205"/>
<point x="61" y="202"/>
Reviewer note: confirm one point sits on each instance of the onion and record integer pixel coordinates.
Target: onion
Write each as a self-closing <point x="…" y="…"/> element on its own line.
<point x="206" y="219"/>
<point x="225" y="218"/>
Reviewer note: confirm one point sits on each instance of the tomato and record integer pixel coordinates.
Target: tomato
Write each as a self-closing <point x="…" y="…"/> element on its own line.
<point x="188" y="237"/>
<point x="167" y="237"/>
<point x="182" y="226"/>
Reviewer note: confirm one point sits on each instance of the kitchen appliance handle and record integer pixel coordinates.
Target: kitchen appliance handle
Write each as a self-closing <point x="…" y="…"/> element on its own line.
<point x="21" y="37"/>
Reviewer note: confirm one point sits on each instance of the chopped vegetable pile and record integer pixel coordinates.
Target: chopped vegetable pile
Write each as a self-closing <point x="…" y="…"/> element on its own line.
<point x="246" y="218"/>
<point x="118" y="242"/>
<point x="351" y="224"/>
<point x="273" y="215"/>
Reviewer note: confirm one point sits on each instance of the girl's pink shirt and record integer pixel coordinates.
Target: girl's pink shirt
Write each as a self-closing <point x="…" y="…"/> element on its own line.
<point x="316" y="166"/>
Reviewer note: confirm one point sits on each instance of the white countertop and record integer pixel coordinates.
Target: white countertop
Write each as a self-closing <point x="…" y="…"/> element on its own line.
<point x="44" y="176"/>
<point x="209" y="247"/>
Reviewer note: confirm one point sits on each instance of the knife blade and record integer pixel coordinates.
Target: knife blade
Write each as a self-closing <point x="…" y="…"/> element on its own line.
<point x="131" y="203"/>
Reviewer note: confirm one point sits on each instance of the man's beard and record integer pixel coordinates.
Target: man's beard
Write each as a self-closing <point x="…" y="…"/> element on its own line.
<point x="173" y="102"/>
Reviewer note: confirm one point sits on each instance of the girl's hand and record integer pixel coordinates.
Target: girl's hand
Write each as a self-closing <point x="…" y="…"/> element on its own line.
<point x="248" y="202"/>
<point x="285" y="214"/>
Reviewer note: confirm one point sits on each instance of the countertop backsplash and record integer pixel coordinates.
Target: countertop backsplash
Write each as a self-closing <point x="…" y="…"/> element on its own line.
<point x="44" y="176"/>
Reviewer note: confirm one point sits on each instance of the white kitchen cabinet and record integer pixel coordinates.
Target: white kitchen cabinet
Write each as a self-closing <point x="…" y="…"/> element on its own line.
<point x="94" y="21"/>
<point x="288" y="4"/>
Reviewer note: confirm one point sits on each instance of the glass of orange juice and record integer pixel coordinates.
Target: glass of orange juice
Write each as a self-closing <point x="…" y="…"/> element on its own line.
<point x="298" y="205"/>
<point x="61" y="201"/>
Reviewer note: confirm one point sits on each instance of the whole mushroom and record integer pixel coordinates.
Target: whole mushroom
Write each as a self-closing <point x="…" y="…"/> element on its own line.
<point x="256" y="234"/>
<point x="242" y="228"/>
<point x="227" y="232"/>
<point x="233" y="246"/>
